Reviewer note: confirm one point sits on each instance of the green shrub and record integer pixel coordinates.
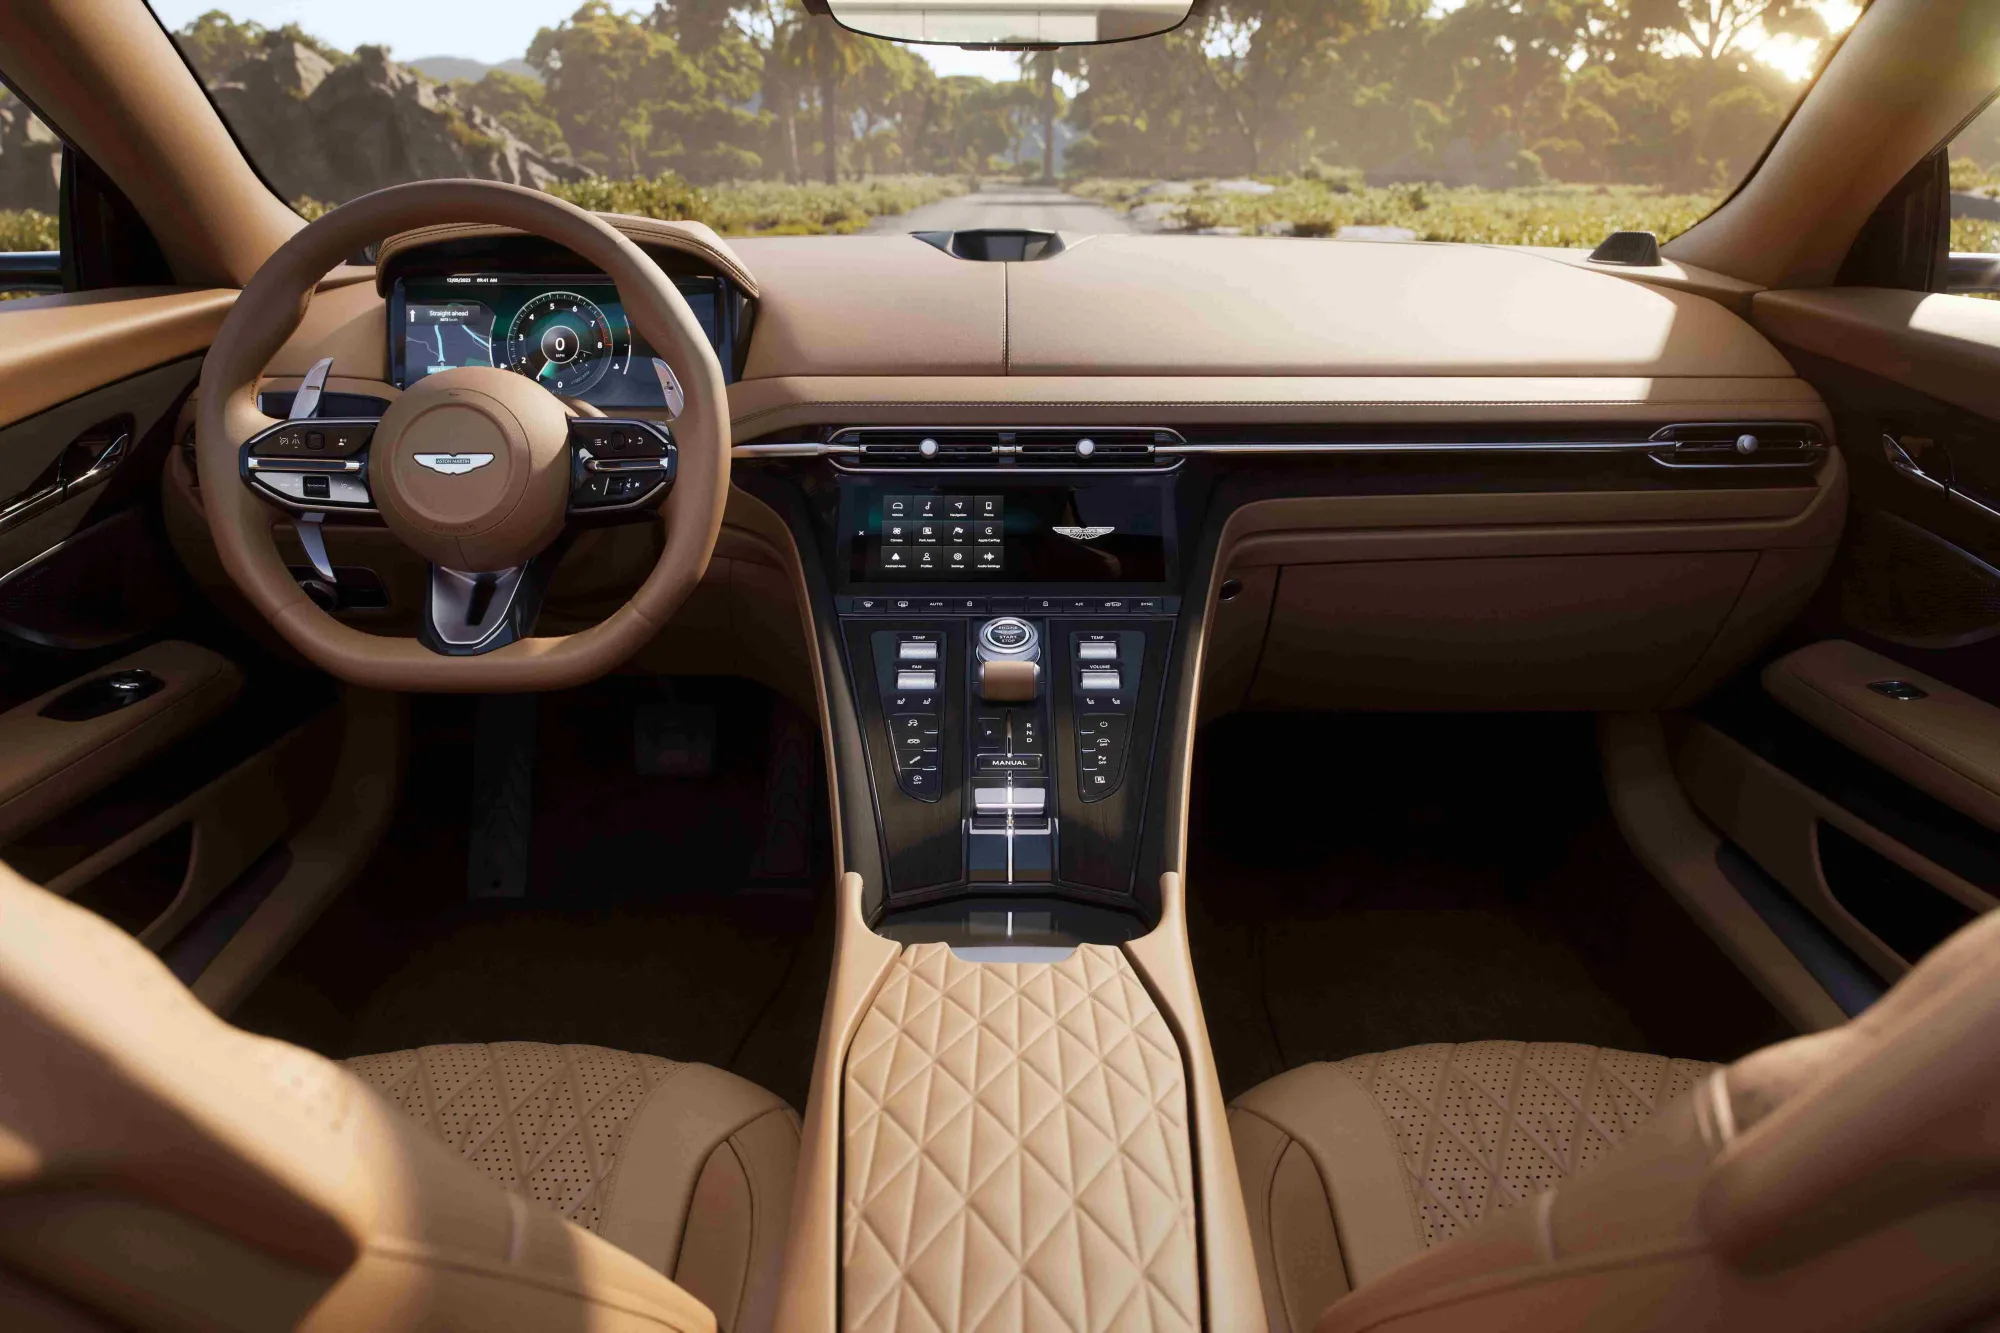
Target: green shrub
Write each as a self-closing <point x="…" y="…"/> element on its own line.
<point x="1322" y="203"/>
<point x="769" y="208"/>
<point x="25" y="229"/>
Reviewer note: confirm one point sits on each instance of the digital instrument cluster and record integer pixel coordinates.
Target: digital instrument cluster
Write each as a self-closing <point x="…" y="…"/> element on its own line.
<point x="567" y="333"/>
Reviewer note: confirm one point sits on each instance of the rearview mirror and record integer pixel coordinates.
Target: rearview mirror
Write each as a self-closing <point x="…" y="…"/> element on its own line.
<point x="1022" y="23"/>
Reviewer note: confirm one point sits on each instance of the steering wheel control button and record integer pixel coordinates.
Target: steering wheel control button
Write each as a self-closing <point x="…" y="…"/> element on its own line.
<point x="331" y="489"/>
<point x="619" y="464"/>
<point x="320" y="439"/>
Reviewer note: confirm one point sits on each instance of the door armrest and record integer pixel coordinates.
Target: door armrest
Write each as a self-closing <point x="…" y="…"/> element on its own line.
<point x="48" y="765"/>
<point x="1944" y="741"/>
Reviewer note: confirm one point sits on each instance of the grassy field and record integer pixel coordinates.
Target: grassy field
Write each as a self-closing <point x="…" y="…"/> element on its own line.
<point x="750" y="208"/>
<point x="766" y="208"/>
<point x="1566" y="215"/>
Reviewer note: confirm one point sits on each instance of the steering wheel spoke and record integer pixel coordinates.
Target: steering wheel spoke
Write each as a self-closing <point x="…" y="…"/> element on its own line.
<point x="317" y="465"/>
<point x="472" y="613"/>
<point x="619" y="465"/>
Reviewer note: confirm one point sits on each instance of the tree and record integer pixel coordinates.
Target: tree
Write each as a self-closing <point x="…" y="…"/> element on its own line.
<point x="518" y="102"/>
<point x="1718" y="28"/>
<point x="826" y="55"/>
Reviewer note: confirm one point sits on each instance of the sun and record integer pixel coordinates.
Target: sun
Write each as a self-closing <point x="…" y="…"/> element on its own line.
<point x="1798" y="58"/>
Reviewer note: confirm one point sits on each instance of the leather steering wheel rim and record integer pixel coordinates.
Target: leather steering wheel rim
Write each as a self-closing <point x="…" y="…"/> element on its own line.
<point x="270" y="310"/>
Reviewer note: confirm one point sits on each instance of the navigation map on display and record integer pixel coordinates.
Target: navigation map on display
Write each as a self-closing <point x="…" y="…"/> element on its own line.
<point x="445" y="334"/>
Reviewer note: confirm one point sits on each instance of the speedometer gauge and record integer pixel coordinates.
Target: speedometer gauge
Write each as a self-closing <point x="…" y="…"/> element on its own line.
<point x="561" y="341"/>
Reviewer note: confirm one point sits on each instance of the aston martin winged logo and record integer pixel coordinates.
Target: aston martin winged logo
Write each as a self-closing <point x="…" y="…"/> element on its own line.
<point x="1089" y="534"/>
<point x="452" y="464"/>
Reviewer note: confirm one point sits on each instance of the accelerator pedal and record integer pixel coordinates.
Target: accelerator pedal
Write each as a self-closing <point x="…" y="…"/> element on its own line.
<point x="503" y="795"/>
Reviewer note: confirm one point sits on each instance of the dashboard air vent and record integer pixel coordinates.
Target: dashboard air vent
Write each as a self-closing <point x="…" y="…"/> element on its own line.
<point x="957" y="448"/>
<point x="1038" y="448"/>
<point x="1734" y="444"/>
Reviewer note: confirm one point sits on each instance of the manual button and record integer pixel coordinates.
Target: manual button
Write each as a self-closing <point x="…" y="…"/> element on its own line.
<point x="1008" y="763"/>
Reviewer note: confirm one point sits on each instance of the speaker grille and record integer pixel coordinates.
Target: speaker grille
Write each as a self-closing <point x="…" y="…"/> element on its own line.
<point x="1909" y="586"/>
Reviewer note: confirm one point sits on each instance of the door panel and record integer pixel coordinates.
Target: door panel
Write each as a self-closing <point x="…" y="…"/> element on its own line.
<point x="79" y="462"/>
<point x="1859" y="769"/>
<point x="155" y="762"/>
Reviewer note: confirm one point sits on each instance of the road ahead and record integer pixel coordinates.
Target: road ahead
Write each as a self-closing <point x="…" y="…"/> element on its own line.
<point x="1035" y="207"/>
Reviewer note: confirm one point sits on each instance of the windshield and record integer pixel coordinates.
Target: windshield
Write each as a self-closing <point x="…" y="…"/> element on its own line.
<point x="1535" y="122"/>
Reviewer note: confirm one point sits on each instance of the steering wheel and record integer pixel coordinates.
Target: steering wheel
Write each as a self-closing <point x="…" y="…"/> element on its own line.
<point x="479" y="470"/>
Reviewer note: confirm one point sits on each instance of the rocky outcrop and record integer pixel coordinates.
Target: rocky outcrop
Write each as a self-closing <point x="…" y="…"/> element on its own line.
<point x="30" y="160"/>
<point x="326" y="131"/>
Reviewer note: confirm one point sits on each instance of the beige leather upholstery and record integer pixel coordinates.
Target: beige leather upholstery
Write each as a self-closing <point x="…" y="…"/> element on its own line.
<point x="628" y="1146"/>
<point x="47" y="765"/>
<point x="161" y="1169"/>
<point x="1349" y="1169"/>
<point x="1845" y="1180"/>
<point x="1947" y="742"/>
<point x="1016" y="1151"/>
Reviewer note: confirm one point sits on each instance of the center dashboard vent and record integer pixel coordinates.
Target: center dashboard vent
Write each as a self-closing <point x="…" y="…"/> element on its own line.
<point x="994" y="448"/>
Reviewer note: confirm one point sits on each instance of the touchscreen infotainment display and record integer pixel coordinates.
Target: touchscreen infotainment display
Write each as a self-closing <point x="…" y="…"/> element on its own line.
<point x="567" y="333"/>
<point x="1097" y="532"/>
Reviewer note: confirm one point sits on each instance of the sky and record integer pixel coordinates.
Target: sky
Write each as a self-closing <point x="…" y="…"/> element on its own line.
<point x="486" y="30"/>
<point x="497" y="30"/>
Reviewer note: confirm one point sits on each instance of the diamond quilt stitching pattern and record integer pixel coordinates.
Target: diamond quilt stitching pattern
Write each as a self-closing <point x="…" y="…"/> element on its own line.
<point x="544" y="1121"/>
<point x="1484" y="1125"/>
<point x="1016" y="1152"/>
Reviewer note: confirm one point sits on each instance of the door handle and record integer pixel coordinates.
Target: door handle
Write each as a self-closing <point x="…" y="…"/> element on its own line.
<point x="86" y="461"/>
<point x="1896" y="450"/>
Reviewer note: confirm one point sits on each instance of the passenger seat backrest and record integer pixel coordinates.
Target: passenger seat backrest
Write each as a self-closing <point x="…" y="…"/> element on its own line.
<point x="1846" y="1180"/>
<point x="162" y="1169"/>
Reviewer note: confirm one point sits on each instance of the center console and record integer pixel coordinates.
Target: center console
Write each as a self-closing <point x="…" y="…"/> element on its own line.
<point x="1007" y="633"/>
<point x="999" y="612"/>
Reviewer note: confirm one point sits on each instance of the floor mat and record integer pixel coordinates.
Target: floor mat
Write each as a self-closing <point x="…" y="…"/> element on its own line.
<point x="1435" y="878"/>
<point x="645" y="925"/>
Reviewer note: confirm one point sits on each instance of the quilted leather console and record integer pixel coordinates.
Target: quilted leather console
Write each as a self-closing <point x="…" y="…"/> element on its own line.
<point x="1016" y="1151"/>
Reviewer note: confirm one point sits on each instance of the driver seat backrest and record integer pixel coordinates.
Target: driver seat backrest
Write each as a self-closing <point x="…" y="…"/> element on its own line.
<point x="1845" y="1180"/>
<point x="162" y="1169"/>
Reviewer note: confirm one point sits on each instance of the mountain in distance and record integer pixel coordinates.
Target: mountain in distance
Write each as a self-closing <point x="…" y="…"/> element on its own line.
<point x="446" y="68"/>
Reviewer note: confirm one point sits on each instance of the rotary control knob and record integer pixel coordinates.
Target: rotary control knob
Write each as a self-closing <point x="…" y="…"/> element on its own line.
<point x="1009" y="639"/>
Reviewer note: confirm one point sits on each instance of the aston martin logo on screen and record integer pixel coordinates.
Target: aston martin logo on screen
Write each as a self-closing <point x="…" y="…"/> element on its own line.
<point x="1089" y="534"/>
<point x="453" y="464"/>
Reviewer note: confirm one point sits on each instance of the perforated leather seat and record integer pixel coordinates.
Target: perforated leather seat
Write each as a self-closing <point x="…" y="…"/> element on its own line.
<point x="160" y="1168"/>
<point x="1845" y="1180"/>
<point x="685" y="1166"/>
